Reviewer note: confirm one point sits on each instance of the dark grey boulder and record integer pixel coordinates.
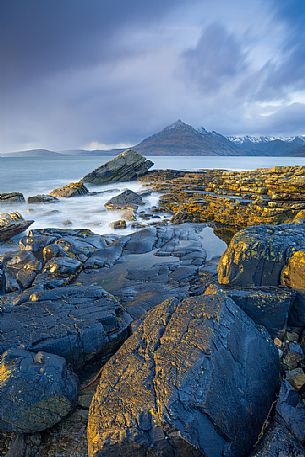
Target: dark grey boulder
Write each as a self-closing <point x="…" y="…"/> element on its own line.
<point x="12" y="224"/>
<point x="41" y="198"/>
<point x="73" y="322"/>
<point x="127" y="166"/>
<point x="127" y="199"/>
<point x="196" y="378"/>
<point x="267" y="306"/>
<point x="12" y="197"/>
<point x="36" y="390"/>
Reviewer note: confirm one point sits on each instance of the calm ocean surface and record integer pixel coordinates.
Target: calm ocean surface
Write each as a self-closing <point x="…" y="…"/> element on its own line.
<point x="33" y="176"/>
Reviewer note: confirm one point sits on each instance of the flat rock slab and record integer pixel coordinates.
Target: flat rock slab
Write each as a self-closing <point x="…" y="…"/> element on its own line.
<point x="196" y="378"/>
<point x="149" y="266"/>
<point x="73" y="322"/>
<point x="127" y="166"/>
<point x="36" y="390"/>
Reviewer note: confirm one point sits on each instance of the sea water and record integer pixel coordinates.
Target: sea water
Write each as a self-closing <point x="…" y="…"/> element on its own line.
<point x="33" y="176"/>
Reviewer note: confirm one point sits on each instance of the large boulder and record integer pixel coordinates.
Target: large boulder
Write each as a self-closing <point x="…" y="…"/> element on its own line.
<point x="12" y="197"/>
<point x="127" y="199"/>
<point x="196" y="378"/>
<point x="73" y="322"/>
<point x="36" y="390"/>
<point x="74" y="189"/>
<point x="268" y="255"/>
<point x="127" y="166"/>
<point x="257" y="255"/>
<point x="12" y="224"/>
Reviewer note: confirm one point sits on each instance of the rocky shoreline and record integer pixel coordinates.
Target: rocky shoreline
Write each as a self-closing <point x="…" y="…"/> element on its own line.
<point x="146" y="340"/>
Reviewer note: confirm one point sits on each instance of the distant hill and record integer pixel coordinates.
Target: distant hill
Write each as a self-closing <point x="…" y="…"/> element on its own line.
<point x="181" y="139"/>
<point x="89" y="152"/>
<point x="33" y="153"/>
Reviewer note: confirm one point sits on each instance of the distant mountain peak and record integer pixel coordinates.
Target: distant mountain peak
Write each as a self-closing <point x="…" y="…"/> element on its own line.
<point x="178" y="124"/>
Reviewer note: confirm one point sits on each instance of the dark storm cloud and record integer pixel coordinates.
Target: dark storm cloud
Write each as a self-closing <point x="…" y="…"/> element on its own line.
<point x="45" y="36"/>
<point x="217" y="57"/>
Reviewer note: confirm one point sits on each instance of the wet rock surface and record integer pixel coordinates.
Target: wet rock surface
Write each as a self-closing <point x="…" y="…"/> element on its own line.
<point x="182" y="373"/>
<point x="36" y="390"/>
<point x="12" y="224"/>
<point x="42" y="199"/>
<point x="127" y="166"/>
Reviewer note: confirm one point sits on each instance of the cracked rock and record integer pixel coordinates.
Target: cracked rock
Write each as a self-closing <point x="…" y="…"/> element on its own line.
<point x="197" y="378"/>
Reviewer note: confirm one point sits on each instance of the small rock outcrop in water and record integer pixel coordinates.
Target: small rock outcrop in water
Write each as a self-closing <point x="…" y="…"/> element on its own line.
<point x="127" y="166"/>
<point x="268" y="255"/>
<point x="120" y="224"/>
<point x="36" y="390"/>
<point x="42" y="199"/>
<point x="11" y="197"/>
<point x="12" y="224"/>
<point x="172" y="388"/>
<point x="74" y="189"/>
<point x="127" y="199"/>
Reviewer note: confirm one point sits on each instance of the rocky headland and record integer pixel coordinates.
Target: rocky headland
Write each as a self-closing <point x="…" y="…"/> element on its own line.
<point x="149" y="344"/>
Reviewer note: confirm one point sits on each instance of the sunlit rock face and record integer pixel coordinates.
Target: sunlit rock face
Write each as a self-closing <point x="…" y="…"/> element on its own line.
<point x="74" y="189"/>
<point x="125" y="167"/>
<point x="197" y="378"/>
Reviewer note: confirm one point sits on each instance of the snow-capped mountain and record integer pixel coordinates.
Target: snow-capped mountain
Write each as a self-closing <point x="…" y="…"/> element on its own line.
<point x="265" y="139"/>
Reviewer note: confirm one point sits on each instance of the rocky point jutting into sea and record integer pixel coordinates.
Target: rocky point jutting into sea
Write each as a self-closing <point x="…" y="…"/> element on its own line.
<point x="151" y="344"/>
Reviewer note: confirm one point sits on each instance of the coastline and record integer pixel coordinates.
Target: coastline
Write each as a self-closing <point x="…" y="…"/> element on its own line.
<point x="259" y="215"/>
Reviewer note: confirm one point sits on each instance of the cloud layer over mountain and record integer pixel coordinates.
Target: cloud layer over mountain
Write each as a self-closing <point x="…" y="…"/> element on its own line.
<point x="112" y="71"/>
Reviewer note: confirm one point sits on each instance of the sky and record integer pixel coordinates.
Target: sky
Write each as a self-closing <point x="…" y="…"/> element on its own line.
<point x="108" y="73"/>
